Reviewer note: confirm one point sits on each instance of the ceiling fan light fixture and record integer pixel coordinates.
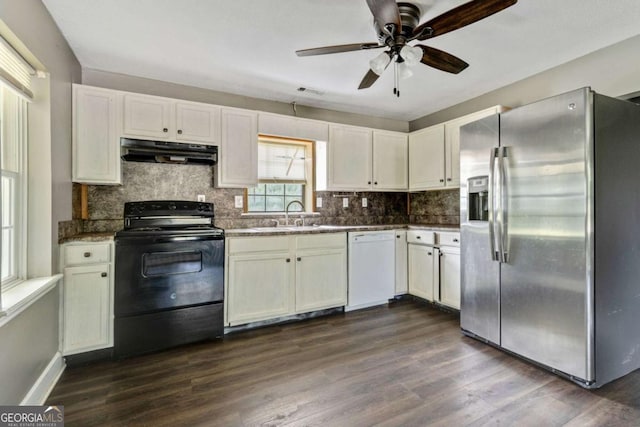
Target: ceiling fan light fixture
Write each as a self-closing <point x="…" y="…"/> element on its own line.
<point x="412" y="55"/>
<point x="404" y="72"/>
<point x="379" y="63"/>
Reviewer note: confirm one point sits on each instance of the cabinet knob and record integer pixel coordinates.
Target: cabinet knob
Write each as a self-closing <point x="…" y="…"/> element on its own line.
<point x="429" y="253"/>
<point x="165" y="130"/>
<point x="299" y="259"/>
<point x="179" y="131"/>
<point x="417" y="237"/>
<point x="442" y="180"/>
<point x="288" y="259"/>
<point x="398" y="236"/>
<point x="369" y="182"/>
<point x="375" y="183"/>
<point x="87" y="254"/>
<point x="449" y="179"/>
<point x="455" y="240"/>
<point x="103" y="274"/>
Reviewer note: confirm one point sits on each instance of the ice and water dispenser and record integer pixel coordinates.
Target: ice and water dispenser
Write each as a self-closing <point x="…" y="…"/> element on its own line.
<point x="478" y="198"/>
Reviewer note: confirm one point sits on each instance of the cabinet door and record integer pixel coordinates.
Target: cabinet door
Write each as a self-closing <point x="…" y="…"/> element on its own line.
<point x="321" y="279"/>
<point x="147" y="117"/>
<point x="96" y="136"/>
<point x="390" y="161"/>
<point x="259" y="287"/>
<point x="349" y="158"/>
<point x="87" y="308"/>
<point x="401" y="262"/>
<point x="238" y="151"/>
<point x="197" y="122"/>
<point x="426" y="158"/>
<point x="450" y="276"/>
<point x="422" y="271"/>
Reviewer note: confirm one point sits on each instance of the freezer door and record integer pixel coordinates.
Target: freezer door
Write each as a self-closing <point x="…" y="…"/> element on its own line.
<point x="480" y="275"/>
<point x="547" y="281"/>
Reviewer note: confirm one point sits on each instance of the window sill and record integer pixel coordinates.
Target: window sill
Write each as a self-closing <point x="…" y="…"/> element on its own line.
<point x="22" y="295"/>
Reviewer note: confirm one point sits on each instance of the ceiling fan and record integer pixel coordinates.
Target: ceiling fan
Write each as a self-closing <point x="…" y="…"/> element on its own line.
<point x="396" y="24"/>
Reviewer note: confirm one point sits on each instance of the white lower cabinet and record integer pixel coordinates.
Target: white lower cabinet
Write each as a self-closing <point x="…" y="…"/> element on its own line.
<point x="434" y="266"/>
<point x="276" y="276"/>
<point x="87" y="297"/>
<point x="422" y="270"/>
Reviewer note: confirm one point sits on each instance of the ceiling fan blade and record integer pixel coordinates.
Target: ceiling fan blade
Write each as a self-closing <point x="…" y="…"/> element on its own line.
<point x="368" y="80"/>
<point x="385" y="12"/>
<point x="337" y="49"/>
<point x="441" y="60"/>
<point x="459" y="17"/>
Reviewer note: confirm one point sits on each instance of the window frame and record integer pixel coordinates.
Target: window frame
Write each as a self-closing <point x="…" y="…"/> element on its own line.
<point x="20" y="188"/>
<point x="309" y="184"/>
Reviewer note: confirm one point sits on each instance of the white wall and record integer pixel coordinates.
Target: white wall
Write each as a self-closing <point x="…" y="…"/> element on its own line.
<point x="612" y="71"/>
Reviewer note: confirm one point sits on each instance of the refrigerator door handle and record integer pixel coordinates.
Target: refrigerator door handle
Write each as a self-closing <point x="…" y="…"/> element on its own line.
<point x="491" y="196"/>
<point x="502" y="217"/>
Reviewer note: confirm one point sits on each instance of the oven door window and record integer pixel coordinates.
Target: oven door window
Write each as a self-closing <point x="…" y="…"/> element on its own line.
<point x="156" y="264"/>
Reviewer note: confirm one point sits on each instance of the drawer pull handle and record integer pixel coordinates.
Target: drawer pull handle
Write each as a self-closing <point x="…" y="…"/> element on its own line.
<point x="87" y="254"/>
<point x="103" y="274"/>
<point x="455" y="240"/>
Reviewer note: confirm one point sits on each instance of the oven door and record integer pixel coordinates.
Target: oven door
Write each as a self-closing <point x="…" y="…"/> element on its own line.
<point x="160" y="273"/>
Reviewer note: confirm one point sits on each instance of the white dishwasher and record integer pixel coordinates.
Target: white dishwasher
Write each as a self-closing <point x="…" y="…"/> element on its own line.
<point x="371" y="269"/>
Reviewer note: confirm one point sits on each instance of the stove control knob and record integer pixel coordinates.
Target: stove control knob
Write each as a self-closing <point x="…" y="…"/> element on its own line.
<point x="172" y="206"/>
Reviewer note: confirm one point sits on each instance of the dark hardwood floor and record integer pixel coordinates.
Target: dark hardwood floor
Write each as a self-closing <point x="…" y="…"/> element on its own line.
<point x="402" y="365"/>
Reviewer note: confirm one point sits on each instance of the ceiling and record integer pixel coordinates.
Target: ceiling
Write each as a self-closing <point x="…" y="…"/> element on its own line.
<point x="247" y="47"/>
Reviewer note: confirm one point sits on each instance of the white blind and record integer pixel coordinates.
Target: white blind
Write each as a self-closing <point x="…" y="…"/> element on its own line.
<point x="14" y="70"/>
<point x="281" y="162"/>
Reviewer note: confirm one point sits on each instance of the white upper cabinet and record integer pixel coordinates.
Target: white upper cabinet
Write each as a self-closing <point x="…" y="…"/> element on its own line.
<point x="147" y="117"/>
<point x="238" y="151"/>
<point x="197" y="122"/>
<point x="349" y="158"/>
<point x="152" y="117"/>
<point x="390" y="157"/>
<point x="366" y="159"/>
<point x="96" y="136"/>
<point x="435" y="153"/>
<point x="426" y="158"/>
<point x="292" y="127"/>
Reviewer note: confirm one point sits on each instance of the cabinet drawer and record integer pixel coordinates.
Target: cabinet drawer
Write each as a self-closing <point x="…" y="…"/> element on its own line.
<point x="258" y="244"/>
<point x="449" y="239"/>
<point x="421" y="237"/>
<point x="321" y="241"/>
<point x="87" y="254"/>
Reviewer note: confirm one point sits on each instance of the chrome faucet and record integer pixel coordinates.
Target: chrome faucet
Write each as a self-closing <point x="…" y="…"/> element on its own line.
<point x="286" y="211"/>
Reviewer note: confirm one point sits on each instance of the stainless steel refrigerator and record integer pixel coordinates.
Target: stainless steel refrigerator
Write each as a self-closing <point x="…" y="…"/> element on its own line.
<point x="550" y="223"/>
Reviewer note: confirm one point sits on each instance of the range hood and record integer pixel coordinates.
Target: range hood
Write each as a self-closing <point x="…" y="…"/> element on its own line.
<point x="137" y="150"/>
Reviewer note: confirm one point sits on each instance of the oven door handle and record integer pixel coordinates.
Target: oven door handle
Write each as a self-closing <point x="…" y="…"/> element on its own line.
<point x="186" y="238"/>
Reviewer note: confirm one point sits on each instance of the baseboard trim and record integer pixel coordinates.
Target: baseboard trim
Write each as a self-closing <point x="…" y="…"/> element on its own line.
<point x="43" y="386"/>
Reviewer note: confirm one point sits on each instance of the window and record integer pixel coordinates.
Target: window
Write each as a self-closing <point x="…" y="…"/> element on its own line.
<point x="13" y="140"/>
<point x="285" y="171"/>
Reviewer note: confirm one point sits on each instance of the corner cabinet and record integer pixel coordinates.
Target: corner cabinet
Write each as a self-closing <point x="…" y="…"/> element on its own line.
<point x="270" y="277"/>
<point x="87" y="297"/>
<point x="435" y="153"/>
<point x="362" y="159"/>
<point x="238" y="151"/>
<point x="95" y="136"/>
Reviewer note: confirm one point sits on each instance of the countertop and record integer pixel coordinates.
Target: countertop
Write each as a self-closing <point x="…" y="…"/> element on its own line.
<point x="283" y="231"/>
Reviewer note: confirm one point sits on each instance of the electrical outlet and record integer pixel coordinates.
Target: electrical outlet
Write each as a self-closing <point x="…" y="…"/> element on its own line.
<point x="345" y="202"/>
<point x="318" y="202"/>
<point x="238" y="202"/>
<point x="201" y="198"/>
<point x="364" y="202"/>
